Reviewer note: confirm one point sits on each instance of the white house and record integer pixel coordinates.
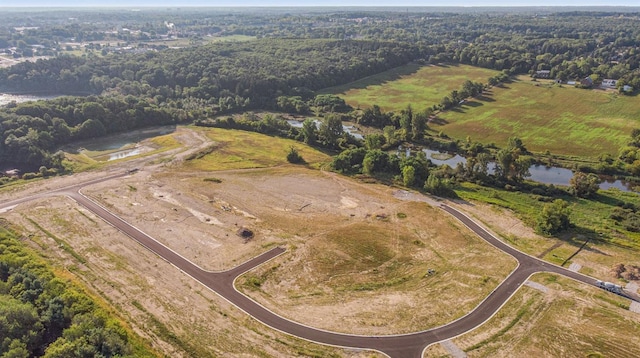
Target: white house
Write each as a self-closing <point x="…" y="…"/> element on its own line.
<point x="609" y="83"/>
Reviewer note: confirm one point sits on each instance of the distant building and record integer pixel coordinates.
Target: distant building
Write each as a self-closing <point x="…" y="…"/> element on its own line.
<point x="609" y="83"/>
<point x="571" y="83"/>
<point x="542" y="74"/>
<point x="587" y="82"/>
<point x="627" y="88"/>
<point x="12" y="173"/>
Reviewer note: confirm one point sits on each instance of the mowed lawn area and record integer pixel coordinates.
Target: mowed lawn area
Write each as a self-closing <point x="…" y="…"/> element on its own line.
<point x="417" y="85"/>
<point x="564" y="120"/>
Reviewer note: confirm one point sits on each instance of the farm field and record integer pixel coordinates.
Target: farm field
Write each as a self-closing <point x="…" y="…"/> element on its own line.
<point x="563" y="120"/>
<point x="569" y="319"/>
<point x="415" y="85"/>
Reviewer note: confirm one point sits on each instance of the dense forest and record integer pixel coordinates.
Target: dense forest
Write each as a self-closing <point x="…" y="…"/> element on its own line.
<point x="294" y="55"/>
<point x="45" y="316"/>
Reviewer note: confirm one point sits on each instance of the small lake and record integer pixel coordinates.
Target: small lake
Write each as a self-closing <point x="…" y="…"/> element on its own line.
<point x="119" y="146"/>
<point x="538" y="173"/>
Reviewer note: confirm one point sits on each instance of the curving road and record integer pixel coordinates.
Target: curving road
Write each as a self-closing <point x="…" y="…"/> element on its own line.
<point x="400" y="346"/>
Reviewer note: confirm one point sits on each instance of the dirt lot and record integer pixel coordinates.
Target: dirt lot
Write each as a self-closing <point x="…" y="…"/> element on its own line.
<point x="358" y="258"/>
<point x="177" y="315"/>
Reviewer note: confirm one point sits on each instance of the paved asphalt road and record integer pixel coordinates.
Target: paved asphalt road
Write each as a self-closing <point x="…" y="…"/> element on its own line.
<point x="399" y="346"/>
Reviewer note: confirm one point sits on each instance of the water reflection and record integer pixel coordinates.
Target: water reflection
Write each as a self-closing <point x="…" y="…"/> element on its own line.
<point x="124" y="154"/>
<point x="538" y="173"/>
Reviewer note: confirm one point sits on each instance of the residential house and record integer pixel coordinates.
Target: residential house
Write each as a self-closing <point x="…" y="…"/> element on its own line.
<point x="542" y="74"/>
<point x="609" y="83"/>
<point x="587" y="82"/>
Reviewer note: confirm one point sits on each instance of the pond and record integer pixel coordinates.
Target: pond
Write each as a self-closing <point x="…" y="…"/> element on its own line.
<point x="118" y="146"/>
<point x="538" y="173"/>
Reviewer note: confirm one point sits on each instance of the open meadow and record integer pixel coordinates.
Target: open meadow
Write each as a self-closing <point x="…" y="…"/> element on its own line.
<point x="562" y="119"/>
<point x="415" y="85"/>
<point x="557" y="317"/>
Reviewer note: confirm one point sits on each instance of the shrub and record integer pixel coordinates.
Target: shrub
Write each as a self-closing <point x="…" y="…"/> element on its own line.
<point x="294" y="157"/>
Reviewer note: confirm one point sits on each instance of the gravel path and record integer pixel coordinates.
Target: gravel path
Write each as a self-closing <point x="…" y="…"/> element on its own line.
<point x="575" y="267"/>
<point x="454" y="350"/>
<point x="537" y="286"/>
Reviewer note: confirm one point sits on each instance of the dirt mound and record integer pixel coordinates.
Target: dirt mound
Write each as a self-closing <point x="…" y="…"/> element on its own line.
<point x="628" y="273"/>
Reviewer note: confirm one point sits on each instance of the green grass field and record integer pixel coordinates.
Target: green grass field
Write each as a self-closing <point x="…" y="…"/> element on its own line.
<point x="563" y="120"/>
<point x="419" y="86"/>
<point x="236" y="149"/>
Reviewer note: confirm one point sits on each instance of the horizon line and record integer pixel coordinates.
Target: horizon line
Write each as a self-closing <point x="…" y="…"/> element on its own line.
<point x="313" y="6"/>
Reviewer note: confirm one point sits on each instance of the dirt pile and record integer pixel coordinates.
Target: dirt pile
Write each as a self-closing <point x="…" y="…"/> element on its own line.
<point x="629" y="273"/>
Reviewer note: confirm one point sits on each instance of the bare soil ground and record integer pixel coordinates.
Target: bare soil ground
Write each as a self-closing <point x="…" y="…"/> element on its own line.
<point x="358" y="258"/>
<point x="353" y="265"/>
<point x="178" y="316"/>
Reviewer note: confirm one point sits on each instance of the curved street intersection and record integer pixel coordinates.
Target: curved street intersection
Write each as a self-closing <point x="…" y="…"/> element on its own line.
<point x="396" y="346"/>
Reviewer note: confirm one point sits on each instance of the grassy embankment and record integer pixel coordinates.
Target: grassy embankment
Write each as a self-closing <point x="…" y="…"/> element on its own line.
<point x="592" y="220"/>
<point x="571" y="319"/>
<point x="561" y="119"/>
<point x="419" y="86"/>
<point x="236" y="149"/>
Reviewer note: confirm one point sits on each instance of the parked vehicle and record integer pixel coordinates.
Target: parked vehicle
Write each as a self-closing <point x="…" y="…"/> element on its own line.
<point x="611" y="287"/>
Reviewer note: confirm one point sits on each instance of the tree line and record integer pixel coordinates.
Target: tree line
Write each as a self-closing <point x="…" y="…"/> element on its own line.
<point x="42" y="315"/>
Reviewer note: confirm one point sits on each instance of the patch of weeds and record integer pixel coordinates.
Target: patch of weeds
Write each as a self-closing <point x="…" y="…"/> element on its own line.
<point x="86" y="216"/>
<point x="401" y="215"/>
<point x="201" y="153"/>
<point x="418" y="243"/>
<point x="213" y="180"/>
<point x="66" y="247"/>
<point x="504" y="330"/>
<point x="253" y="281"/>
<point x="370" y="286"/>
<point x="132" y="188"/>
<point x="613" y="302"/>
<point x="313" y="353"/>
<point x="167" y="335"/>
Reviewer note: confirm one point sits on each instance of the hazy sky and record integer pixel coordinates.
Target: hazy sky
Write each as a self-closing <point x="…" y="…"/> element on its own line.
<point x="178" y="3"/>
